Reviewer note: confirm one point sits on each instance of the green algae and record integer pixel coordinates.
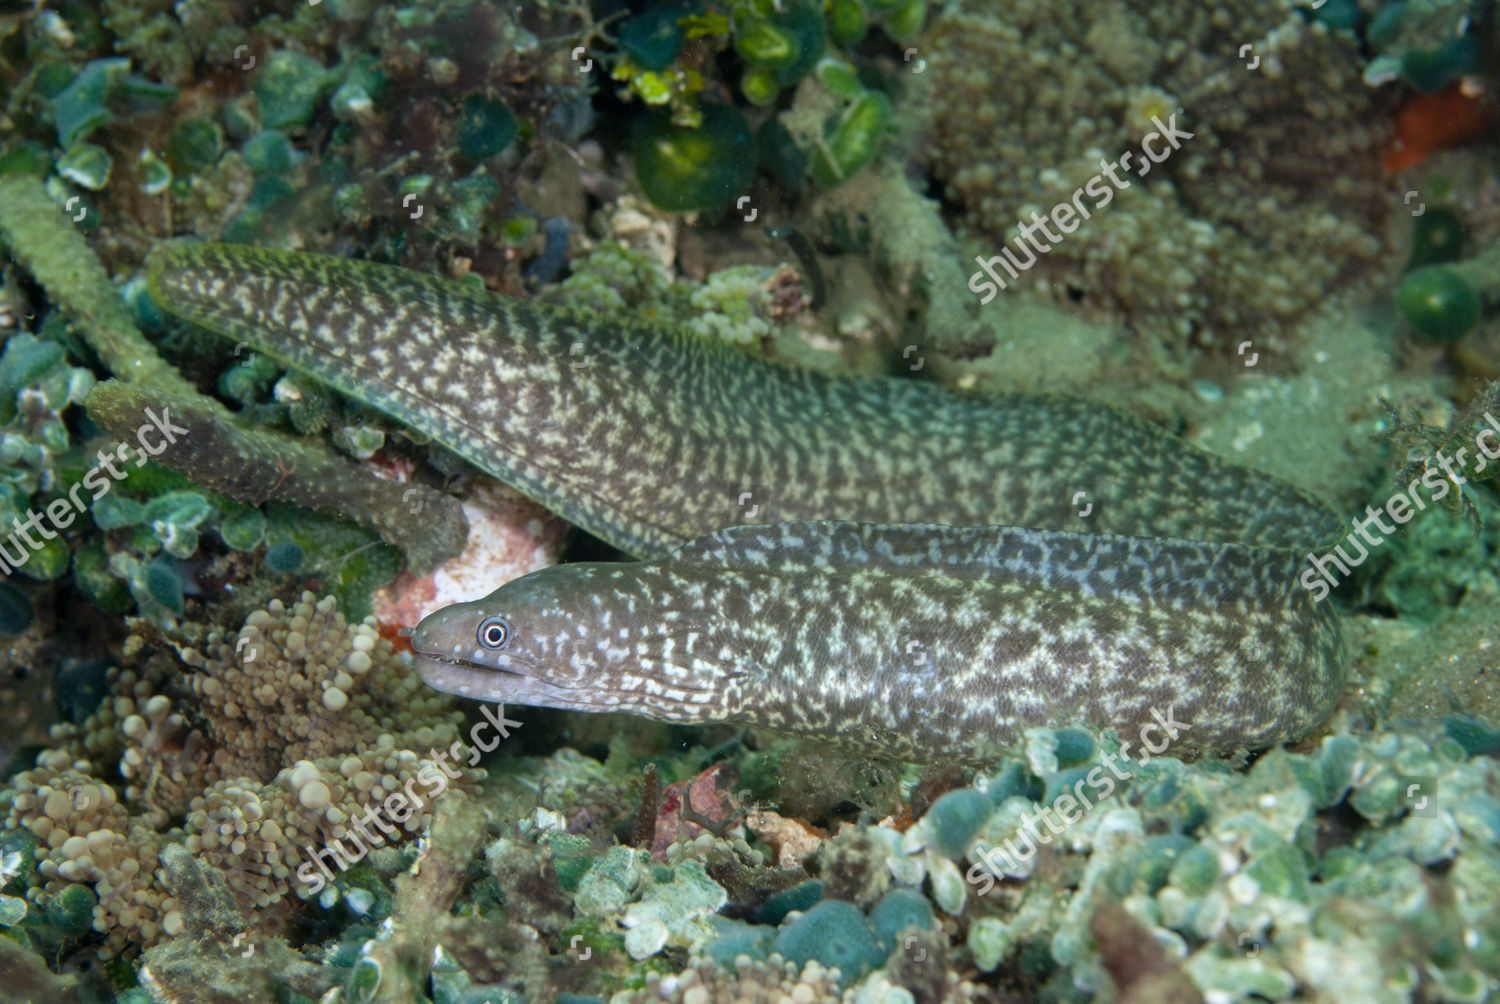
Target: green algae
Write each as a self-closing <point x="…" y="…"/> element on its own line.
<point x="1437" y="238"/>
<point x="81" y="107"/>
<point x="898" y="911"/>
<point x="653" y="38"/>
<point x="956" y="817"/>
<point x="87" y="165"/>
<point x="290" y="89"/>
<point x="195" y="145"/>
<point x="802" y="896"/>
<point x="852" y="139"/>
<point x="1438" y="303"/>
<point x="485" y="127"/>
<point x="1431" y="69"/>
<point x="834" y="933"/>
<point x="778" y="46"/>
<point x="704" y="167"/>
<point x="243" y="529"/>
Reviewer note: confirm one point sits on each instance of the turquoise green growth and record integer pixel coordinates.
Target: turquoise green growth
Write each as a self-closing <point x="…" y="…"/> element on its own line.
<point x="1141" y="550"/>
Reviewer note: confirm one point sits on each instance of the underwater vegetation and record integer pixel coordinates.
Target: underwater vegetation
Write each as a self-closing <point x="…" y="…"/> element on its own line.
<point x="694" y="154"/>
<point x="236" y="471"/>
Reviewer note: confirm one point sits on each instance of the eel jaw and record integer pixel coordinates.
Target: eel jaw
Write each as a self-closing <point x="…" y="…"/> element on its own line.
<point x="502" y="685"/>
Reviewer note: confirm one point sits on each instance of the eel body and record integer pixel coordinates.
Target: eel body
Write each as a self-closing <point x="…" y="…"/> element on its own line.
<point x="1055" y="559"/>
<point x="915" y="641"/>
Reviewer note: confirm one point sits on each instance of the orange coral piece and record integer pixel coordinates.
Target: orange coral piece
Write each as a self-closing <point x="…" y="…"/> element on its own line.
<point x="398" y="636"/>
<point x="1429" y="122"/>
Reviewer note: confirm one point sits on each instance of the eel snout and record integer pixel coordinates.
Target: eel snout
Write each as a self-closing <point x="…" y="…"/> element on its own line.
<point x="505" y="682"/>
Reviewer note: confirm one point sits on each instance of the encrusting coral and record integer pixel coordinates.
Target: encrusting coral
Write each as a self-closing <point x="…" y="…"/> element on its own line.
<point x="250" y="464"/>
<point x="253" y="466"/>
<point x="286" y="738"/>
<point x="34" y="229"/>
<point x="1239" y="230"/>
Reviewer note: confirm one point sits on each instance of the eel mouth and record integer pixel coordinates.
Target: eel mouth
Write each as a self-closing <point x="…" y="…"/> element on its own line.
<point x="508" y="684"/>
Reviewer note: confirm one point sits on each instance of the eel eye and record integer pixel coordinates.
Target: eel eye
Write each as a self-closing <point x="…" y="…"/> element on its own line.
<point x="493" y="632"/>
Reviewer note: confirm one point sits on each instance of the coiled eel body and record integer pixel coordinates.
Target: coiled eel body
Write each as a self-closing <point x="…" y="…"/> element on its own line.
<point x="1037" y="560"/>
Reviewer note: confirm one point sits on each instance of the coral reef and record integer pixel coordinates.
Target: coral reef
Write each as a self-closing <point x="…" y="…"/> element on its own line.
<point x="1443" y="301"/>
<point x="257" y="759"/>
<point x="1315" y="872"/>
<point x="220" y="779"/>
<point x="744" y="305"/>
<point x="183" y="967"/>
<point x="510" y="536"/>
<point x="1233" y="236"/>
<point x="1247" y="883"/>
<point x="911" y="246"/>
<point x="36" y="231"/>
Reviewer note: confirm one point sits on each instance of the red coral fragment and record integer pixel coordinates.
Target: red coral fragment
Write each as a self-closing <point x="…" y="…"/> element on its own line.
<point x="1426" y="123"/>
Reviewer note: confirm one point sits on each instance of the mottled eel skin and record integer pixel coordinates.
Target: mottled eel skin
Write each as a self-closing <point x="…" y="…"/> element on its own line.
<point x="1003" y="600"/>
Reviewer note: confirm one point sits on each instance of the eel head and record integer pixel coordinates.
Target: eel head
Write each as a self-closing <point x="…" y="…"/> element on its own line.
<point x="538" y="640"/>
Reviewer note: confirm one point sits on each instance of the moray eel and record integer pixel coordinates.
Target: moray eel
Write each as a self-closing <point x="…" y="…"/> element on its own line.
<point x="916" y="641"/>
<point x="914" y="572"/>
